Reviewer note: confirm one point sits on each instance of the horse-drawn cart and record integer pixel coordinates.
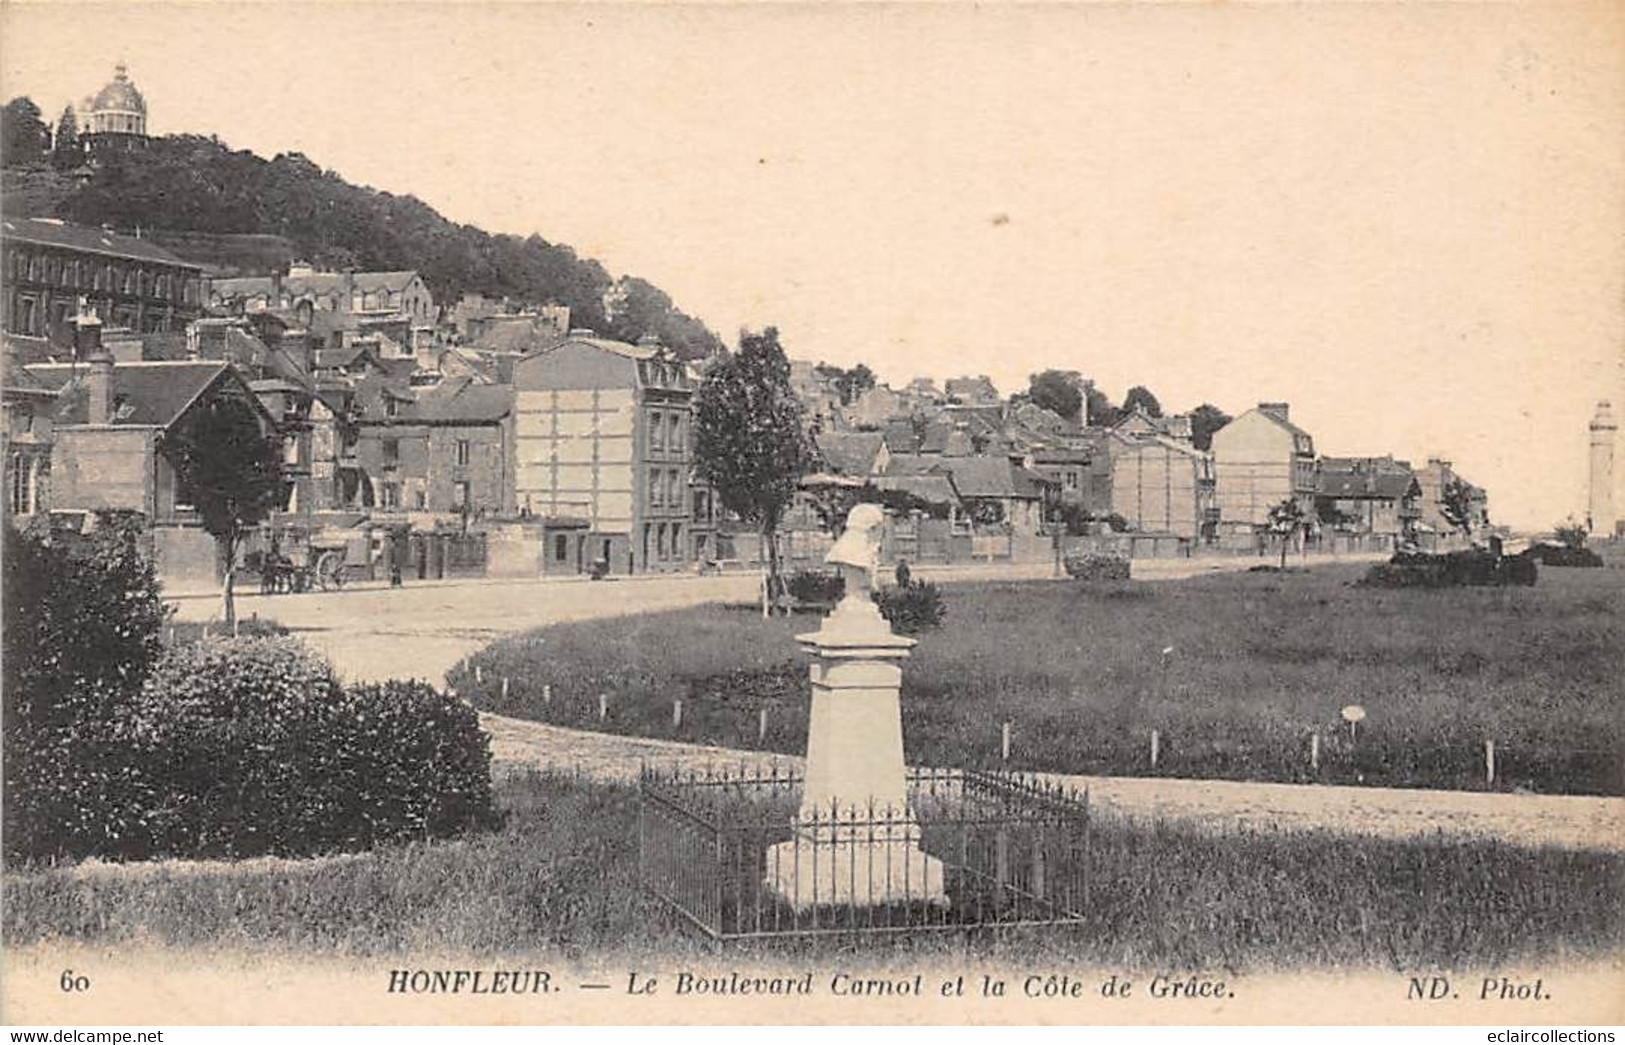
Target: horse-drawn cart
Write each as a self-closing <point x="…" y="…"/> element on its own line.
<point x="322" y="558"/>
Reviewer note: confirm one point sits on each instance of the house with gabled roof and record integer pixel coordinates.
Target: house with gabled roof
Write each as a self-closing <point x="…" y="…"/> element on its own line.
<point x="1261" y="459"/>
<point x="1375" y="499"/>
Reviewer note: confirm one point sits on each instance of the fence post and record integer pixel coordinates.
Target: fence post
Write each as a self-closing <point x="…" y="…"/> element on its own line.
<point x="1004" y="742"/>
<point x="479" y="675"/>
<point x="1489" y="763"/>
<point x="603" y="706"/>
<point x="1156" y="747"/>
<point x="205" y="630"/>
<point x="504" y="687"/>
<point x="761" y="725"/>
<point x="1314" y="750"/>
<point x="677" y="713"/>
<point x="547" y="693"/>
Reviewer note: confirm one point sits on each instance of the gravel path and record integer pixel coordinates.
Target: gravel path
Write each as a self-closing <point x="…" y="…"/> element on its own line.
<point x="1566" y="821"/>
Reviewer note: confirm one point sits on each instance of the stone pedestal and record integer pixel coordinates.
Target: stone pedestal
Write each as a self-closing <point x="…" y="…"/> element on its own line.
<point x="856" y="842"/>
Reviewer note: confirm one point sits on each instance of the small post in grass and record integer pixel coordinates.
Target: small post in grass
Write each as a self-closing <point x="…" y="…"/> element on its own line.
<point x="1156" y="747"/>
<point x="677" y="713"/>
<point x="236" y="628"/>
<point x="479" y="675"/>
<point x="504" y="687"/>
<point x="1354" y="714"/>
<point x="603" y="706"/>
<point x="1314" y="751"/>
<point x="761" y="724"/>
<point x="1489" y="763"/>
<point x="547" y="694"/>
<point x="205" y="630"/>
<point x="1004" y="742"/>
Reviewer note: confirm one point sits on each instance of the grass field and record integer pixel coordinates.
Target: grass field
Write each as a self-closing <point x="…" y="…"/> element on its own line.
<point x="561" y="880"/>
<point x="1256" y="664"/>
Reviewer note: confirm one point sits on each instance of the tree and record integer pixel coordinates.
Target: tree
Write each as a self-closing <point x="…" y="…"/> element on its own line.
<point x="1205" y="420"/>
<point x="1285" y="520"/>
<point x="66" y="153"/>
<point x="1140" y="398"/>
<point x="24" y="138"/>
<point x="1571" y="534"/>
<point x="749" y="443"/>
<point x="850" y="384"/>
<point x="1102" y="412"/>
<point x="231" y="471"/>
<point x="1058" y="391"/>
<point x="1456" y="504"/>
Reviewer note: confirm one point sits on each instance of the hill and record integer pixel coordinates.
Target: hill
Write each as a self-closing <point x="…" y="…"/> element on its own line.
<point x="233" y="210"/>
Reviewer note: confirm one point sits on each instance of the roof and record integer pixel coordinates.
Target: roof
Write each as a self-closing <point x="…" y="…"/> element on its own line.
<point x="620" y="348"/>
<point x="994" y="477"/>
<point x="463" y="401"/>
<point x="314" y="283"/>
<point x="338" y="358"/>
<point x="850" y="453"/>
<point x="120" y="95"/>
<point x="156" y="393"/>
<point x="54" y="233"/>
<point x="514" y="336"/>
<point x="931" y="487"/>
<point x="1278" y="419"/>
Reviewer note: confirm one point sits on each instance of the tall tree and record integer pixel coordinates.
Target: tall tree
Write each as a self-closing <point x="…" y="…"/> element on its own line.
<point x="749" y="443"/>
<point x="1457" y="504"/>
<point x="65" y="151"/>
<point x="1101" y="411"/>
<point x="1140" y="398"/>
<point x="230" y="470"/>
<point x="853" y="383"/>
<point x="1058" y="391"/>
<point x="24" y="138"/>
<point x="1205" y="420"/>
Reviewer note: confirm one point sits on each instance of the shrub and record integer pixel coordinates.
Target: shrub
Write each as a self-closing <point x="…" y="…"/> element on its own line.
<point x="1570" y="555"/>
<point x="1472" y="568"/>
<point x="817" y="586"/>
<point x="82" y="626"/>
<point x="1096" y="566"/>
<point x="245" y="747"/>
<point x="912" y="608"/>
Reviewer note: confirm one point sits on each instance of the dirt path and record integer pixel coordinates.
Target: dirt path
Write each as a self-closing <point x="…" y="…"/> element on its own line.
<point x="1566" y="821"/>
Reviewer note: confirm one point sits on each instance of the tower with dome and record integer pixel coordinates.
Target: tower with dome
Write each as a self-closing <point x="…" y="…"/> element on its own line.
<point x="115" y="118"/>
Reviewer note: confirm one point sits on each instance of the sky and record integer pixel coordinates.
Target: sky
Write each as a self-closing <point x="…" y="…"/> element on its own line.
<point x="1408" y="221"/>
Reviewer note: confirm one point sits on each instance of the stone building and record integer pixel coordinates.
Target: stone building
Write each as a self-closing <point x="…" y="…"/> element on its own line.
<point x="51" y="265"/>
<point x="1376" y="500"/>
<point x="1432" y="481"/>
<point x="445" y="450"/>
<point x="603" y="432"/>
<point x="400" y="293"/>
<point x="1261" y="459"/>
<point x="1163" y="485"/>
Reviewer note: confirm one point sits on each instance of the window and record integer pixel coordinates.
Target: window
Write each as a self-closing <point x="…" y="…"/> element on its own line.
<point x="459" y="495"/>
<point x="676" y="540"/>
<point x="422" y="498"/>
<point x="655" y="490"/>
<point x="676" y="440"/>
<point x="290" y="449"/>
<point x="1071" y="480"/>
<point x="22" y="485"/>
<point x="702" y="505"/>
<point x="391" y="406"/>
<point x="657" y="432"/>
<point x="660" y="540"/>
<point x="674" y="495"/>
<point x="392" y="453"/>
<point x="561" y="547"/>
<point x="462" y="453"/>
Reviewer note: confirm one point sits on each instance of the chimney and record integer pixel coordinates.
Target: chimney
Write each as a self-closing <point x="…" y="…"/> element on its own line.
<point x="87" y="341"/>
<point x="1279" y="411"/>
<point x="276" y="288"/>
<point x="346" y="289"/>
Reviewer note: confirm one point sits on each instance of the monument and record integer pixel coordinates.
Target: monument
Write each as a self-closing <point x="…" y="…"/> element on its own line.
<point x="856" y="840"/>
<point x="1600" y="510"/>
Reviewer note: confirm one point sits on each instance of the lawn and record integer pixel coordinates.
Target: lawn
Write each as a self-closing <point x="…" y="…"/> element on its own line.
<point x="1255" y="665"/>
<point x="561" y="881"/>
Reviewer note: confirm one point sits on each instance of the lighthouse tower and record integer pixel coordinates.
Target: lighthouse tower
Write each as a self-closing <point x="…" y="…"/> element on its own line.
<point x="1600" y="517"/>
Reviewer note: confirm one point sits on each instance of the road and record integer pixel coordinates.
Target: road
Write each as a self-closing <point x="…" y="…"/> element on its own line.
<point x="372" y="632"/>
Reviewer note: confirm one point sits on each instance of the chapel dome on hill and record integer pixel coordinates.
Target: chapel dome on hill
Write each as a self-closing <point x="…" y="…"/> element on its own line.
<point x="120" y="95"/>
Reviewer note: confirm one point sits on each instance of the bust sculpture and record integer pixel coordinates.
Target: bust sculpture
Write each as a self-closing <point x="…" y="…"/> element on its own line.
<point x="858" y="550"/>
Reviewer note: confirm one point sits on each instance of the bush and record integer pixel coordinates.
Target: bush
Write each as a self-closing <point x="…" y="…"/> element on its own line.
<point x="817" y="586"/>
<point x="911" y="608"/>
<point x="1570" y="555"/>
<point x="1096" y="566"/>
<point x="244" y="747"/>
<point x="83" y="620"/>
<point x="1472" y="568"/>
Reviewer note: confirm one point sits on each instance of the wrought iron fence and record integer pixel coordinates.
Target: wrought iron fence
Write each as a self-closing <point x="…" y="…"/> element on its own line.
<point x="736" y="854"/>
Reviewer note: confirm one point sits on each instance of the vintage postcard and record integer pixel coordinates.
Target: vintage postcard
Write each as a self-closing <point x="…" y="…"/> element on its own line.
<point x="794" y="513"/>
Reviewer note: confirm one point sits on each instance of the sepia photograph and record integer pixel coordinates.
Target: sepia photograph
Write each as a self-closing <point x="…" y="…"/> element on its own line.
<point x="938" y="514"/>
